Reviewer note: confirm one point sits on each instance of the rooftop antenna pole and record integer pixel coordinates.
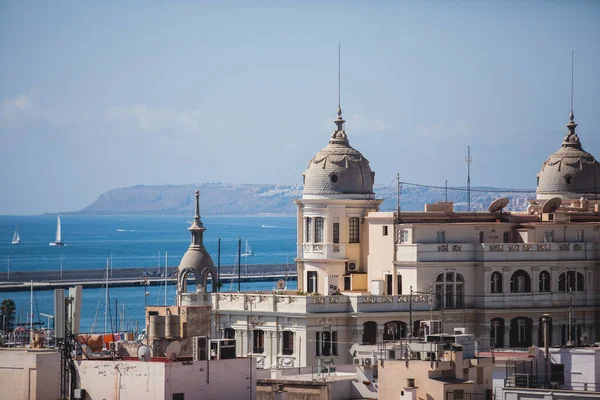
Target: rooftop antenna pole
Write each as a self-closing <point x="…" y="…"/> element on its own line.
<point x="468" y="160"/>
<point x="166" y="273"/>
<point x="446" y="190"/>
<point x="339" y="74"/>
<point x="572" y="76"/>
<point x="398" y="194"/>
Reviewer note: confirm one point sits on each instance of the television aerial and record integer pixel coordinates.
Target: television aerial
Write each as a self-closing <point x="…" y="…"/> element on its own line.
<point x="144" y="353"/>
<point x="280" y="285"/>
<point x="551" y="205"/>
<point x="173" y="350"/>
<point x="498" y="204"/>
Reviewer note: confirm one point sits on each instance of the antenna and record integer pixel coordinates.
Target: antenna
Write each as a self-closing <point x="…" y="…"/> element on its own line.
<point x="173" y="350"/>
<point x="468" y="160"/>
<point x="398" y="195"/>
<point x="144" y="353"/>
<point x="572" y="76"/>
<point x="339" y="74"/>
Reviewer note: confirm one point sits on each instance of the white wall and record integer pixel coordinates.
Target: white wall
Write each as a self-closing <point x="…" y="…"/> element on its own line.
<point x="29" y="374"/>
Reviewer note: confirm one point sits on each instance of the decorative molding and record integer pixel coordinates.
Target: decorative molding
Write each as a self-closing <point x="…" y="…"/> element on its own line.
<point x="442" y="247"/>
<point x="456" y="247"/>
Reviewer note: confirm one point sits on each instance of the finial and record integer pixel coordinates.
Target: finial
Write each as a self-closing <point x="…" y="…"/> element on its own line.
<point x="197" y="216"/>
<point x="572" y="136"/>
<point x="339" y="121"/>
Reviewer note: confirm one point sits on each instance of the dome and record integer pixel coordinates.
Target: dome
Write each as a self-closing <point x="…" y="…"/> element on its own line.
<point x="339" y="170"/>
<point x="571" y="172"/>
<point x="196" y="258"/>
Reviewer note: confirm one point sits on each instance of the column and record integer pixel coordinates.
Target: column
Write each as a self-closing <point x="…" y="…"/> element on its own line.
<point x="506" y="334"/>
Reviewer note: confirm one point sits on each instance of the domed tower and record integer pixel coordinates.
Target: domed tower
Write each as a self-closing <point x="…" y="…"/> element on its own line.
<point x="571" y="173"/>
<point x="196" y="261"/>
<point x="332" y="240"/>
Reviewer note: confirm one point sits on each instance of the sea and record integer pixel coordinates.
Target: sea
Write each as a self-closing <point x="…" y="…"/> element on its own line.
<point x="132" y="241"/>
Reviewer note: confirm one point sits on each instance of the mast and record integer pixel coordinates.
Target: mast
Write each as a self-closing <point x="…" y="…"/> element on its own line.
<point x="106" y="300"/>
<point x="31" y="308"/>
<point x="8" y="270"/>
<point x="61" y="276"/>
<point x="58" y="233"/>
<point x="219" y="265"/>
<point x="468" y="160"/>
<point x="239" y="265"/>
<point x="166" y="273"/>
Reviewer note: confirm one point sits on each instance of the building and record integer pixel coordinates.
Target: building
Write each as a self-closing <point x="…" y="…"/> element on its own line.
<point x="27" y="373"/>
<point x="367" y="276"/>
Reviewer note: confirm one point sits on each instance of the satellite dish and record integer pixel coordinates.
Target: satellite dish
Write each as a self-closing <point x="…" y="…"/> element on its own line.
<point x="144" y="353"/>
<point x="173" y="350"/>
<point x="498" y="204"/>
<point x="551" y="205"/>
<point x="280" y="284"/>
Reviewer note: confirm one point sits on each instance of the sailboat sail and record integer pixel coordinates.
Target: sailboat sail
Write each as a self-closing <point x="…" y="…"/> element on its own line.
<point x="58" y="234"/>
<point x="16" y="238"/>
<point x="247" y="251"/>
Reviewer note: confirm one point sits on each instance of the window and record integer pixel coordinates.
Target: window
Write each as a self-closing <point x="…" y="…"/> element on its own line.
<point x="497" y="333"/>
<point x="544" y="281"/>
<point x="308" y="229"/>
<point x="336" y="232"/>
<point x="404" y="237"/>
<point x="508" y="237"/>
<point x="548" y="236"/>
<point x="399" y="284"/>
<point x="228" y="333"/>
<point x="481" y="237"/>
<point x="311" y="281"/>
<point x="521" y="330"/>
<point x="326" y="343"/>
<point x="354" y="235"/>
<point x="449" y="290"/>
<point x="288" y="343"/>
<point x="384" y="230"/>
<point x="441" y="236"/>
<point x="458" y="395"/>
<point x="520" y="282"/>
<point x="259" y="341"/>
<point x="319" y="230"/>
<point x="570" y="280"/>
<point x="369" y="332"/>
<point x="496" y="282"/>
<point x="394" y="330"/>
<point x="579" y="235"/>
<point x="178" y="396"/>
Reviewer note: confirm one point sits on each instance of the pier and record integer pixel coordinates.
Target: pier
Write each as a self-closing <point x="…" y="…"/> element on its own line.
<point x="91" y="278"/>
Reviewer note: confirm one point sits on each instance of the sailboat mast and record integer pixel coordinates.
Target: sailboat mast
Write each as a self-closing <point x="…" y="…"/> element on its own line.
<point x="166" y="273"/>
<point x="106" y="301"/>
<point x="8" y="270"/>
<point x="31" y="309"/>
<point x="239" y="265"/>
<point x="61" y="266"/>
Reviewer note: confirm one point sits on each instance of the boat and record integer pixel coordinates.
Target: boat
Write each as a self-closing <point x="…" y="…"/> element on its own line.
<point x="16" y="237"/>
<point x="57" y="240"/>
<point x="248" y="251"/>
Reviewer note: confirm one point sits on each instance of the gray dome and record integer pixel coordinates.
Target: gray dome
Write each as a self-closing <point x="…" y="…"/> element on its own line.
<point x="571" y="172"/>
<point x="339" y="169"/>
<point x="196" y="258"/>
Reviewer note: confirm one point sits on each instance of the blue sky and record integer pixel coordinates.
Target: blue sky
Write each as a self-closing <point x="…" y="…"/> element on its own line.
<point x="99" y="95"/>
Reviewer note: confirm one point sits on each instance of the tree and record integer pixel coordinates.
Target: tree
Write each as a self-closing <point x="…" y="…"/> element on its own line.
<point x="7" y="307"/>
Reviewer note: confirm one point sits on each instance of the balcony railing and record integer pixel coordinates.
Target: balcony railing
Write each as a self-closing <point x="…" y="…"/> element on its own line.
<point x="322" y="250"/>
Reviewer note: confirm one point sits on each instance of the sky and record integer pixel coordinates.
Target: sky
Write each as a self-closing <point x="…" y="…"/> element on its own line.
<point x="102" y="95"/>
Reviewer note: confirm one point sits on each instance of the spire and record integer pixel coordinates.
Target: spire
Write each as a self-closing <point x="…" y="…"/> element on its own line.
<point x="197" y="216"/>
<point x="572" y="138"/>
<point x="197" y="228"/>
<point x="339" y="136"/>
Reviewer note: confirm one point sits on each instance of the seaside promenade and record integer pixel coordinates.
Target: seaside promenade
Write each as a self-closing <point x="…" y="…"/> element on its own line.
<point x="55" y="279"/>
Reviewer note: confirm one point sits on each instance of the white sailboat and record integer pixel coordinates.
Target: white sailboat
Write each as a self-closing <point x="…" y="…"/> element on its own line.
<point x="58" y="239"/>
<point x="248" y="251"/>
<point x="16" y="237"/>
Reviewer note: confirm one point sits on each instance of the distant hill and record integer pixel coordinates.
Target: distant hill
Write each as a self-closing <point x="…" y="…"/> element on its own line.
<point x="231" y="199"/>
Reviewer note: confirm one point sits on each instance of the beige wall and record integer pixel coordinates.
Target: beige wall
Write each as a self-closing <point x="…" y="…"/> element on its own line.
<point x="29" y="374"/>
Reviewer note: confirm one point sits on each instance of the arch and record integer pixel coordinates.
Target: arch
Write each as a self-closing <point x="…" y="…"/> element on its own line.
<point x="394" y="330"/>
<point x="572" y="280"/>
<point x="184" y="277"/>
<point x="496" y="282"/>
<point x="416" y="332"/>
<point x="449" y="290"/>
<point x="520" y="282"/>
<point x="544" y="281"/>
<point x="369" y="332"/>
<point x="204" y="279"/>
<point x="541" y="339"/>
<point x="229" y="333"/>
<point x="520" y="332"/>
<point x="497" y="333"/>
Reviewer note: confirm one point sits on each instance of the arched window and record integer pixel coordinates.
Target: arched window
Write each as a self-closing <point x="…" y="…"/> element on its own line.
<point x="288" y="343"/>
<point x="570" y="280"/>
<point x="369" y="332"/>
<point x="544" y="281"/>
<point x="520" y="332"/>
<point x="497" y="333"/>
<point x="496" y="282"/>
<point x="394" y="330"/>
<point x="229" y="333"/>
<point x="259" y="341"/>
<point x="520" y="282"/>
<point x="577" y="337"/>
<point x="449" y="290"/>
<point x="541" y="338"/>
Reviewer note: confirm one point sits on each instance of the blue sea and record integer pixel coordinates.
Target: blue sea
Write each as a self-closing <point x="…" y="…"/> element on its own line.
<point x="133" y="242"/>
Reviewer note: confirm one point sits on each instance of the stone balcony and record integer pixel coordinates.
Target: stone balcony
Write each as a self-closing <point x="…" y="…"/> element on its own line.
<point x="322" y="250"/>
<point x="465" y="252"/>
<point x="302" y="304"/>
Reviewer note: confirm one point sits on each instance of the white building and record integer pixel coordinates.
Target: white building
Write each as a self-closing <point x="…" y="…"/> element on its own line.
<point x="366" y="276"/>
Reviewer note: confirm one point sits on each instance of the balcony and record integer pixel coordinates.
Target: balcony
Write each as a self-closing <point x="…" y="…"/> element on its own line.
<point x="457" y="252"/>
<point x="322" y="250"/>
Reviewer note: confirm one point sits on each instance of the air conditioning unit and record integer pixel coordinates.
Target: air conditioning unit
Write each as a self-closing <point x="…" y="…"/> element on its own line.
<point x="356" y="361"/>
<point x="367" y="361"/>
<point x="352" y="267"/>
<point x="114" y="346"/>
<point x="200" y="348"/>
<point x="547" y="217"/>
<point x="460" y="331"/>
